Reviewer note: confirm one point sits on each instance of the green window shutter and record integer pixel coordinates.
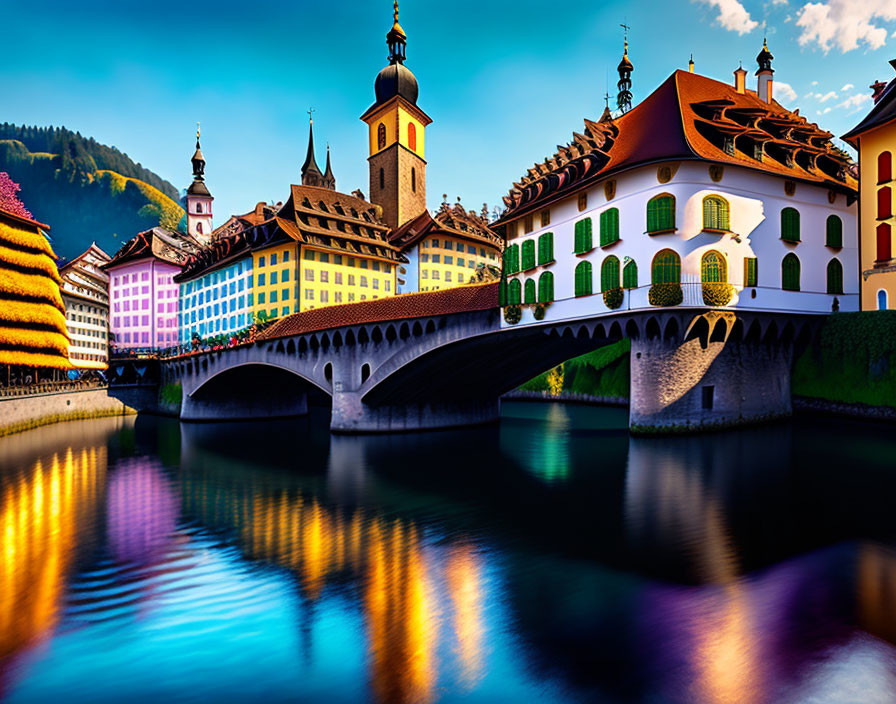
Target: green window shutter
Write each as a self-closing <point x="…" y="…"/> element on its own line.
<point x="790" y="273"/>
<point x="528" y="255"/>
<point x="661" y="214"/>
<point x="790" y="225"/>
<point x="609" y="226"/>
<point x="515" y="258"/>
<point x="666" y="268"/>
<point x="514" y="293"/>
<point x="609" y="274"/>
<point x="834" y="234"/>
<point x="835" y="276"/>
<point x="529" y="291"/>
<point x="583" y="236"/>
<point x="715" y="213"/>
<point x="583" y="279"/>
<point x="630" y="275"/>
<point x="502" y="292"/>
<point x="546" y="248"/>
<point x="751" y="271"/>
<point x="652" y="216"/>
<point x="546" y="287"/>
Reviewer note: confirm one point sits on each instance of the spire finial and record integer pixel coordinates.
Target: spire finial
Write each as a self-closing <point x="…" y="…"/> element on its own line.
<point x="197" y="131"/>
<point x="311" y="112"/>
<point x="625" y="68"/>
<point x="396" y="39"/>
<point x="396" y="12"/>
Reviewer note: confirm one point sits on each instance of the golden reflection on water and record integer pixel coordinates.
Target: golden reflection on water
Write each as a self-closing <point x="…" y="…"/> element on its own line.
<point x="400" y="582"/>
<point x="41" y="509"/>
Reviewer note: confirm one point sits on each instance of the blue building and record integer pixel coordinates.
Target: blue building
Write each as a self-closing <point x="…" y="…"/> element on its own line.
<point x="216" y="301"/>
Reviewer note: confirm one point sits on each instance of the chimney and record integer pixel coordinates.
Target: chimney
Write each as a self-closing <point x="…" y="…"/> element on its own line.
<point x="877" y="89"/>
<point x="740" y="80"/>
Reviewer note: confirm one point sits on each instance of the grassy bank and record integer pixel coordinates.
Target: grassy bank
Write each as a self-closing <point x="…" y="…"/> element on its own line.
<point x="603" y="373"/>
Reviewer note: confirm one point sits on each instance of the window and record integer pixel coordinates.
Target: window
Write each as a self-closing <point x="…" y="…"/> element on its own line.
<point x="834" y="232"/>
<point x="713" y="268"/>
<point x="609" y="227"/>
<point x="514" y="292"/>
<point x="261" y="282"/>
<point x="413" y="178"/>
<point x="273" y="259"/>
<point x="199" y="228"/>
<point x="382" y="179"/>
<point x="715" y="213"/>
<point x="882" y="300"/>
<point x="583" y="279"/>
<point x="512" y="259"/>
<point x="261" y="260"/>
<point x="381" y="138"/>
<point x="309" y="256"/>
<point x="545" y="217"/>
<point x="661" y="213"/>
<point x="884" y="203"/>
<point x="583" y="201"/>
<point x="286" y="256"/>
<point x="884" y="250"/>
<point x="835" y="276"/>
<point x="582" y="236"/>
<point x="199" y="207"/>
<point x="412" y="137"/>
<point x="630" y="274"/>
<point x="529" y="291"/>
<point x="751" y="271"/>
<point x="790" y="273"/>
<point x="790" y="225"/>
<point x="273" y="278"/>
<point x="884" y="167"/>
<point x="666" y="268"/>
<point x="546" y="287"/>
<point x="609" y="274"/>
<point x="546" y="248"/>
<point x="528" y="224"/>
<point x="528" y="255"/>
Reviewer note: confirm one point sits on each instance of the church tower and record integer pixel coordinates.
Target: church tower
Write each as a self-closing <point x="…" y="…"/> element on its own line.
<point x="625" y="68"/>
<point x="199" y="200"/>
<point x="397" y="137"/>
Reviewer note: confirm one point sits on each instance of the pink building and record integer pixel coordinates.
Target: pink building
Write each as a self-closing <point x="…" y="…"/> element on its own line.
<point x="142" y="292"/>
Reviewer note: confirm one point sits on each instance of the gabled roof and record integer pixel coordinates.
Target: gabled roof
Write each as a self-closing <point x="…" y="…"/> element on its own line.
<point x="165" y="245"/>
<point x="460" y="299"/>
<point x="451" y="220"/>
<point x="688" y="117"/>
<point x="883" y="112"/>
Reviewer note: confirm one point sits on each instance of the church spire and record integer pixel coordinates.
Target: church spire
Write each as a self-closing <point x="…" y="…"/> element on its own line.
<point x="198" y="160"/>
<point x="311" y="175"/>
<point x="397" y="40"/>
<point x="329" y="180"/>
<point x="625" y="68"/>
<point x="199" y="199"/>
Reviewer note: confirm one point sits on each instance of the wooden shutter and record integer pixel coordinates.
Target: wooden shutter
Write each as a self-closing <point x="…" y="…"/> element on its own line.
<point x="630" y="275"/>
<point x="609" y="274"/>
<point x="834" y="232"/>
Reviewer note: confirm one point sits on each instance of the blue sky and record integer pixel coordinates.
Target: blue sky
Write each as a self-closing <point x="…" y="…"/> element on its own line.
<point x="504" y="81"/>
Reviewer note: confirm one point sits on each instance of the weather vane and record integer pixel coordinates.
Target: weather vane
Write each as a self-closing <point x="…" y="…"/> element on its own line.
<point x="310" y="115"/>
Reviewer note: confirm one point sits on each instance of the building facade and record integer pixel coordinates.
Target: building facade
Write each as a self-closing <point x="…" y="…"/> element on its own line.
<point x="217" y="302"/>
<point x="875" y="139"/>
<point x="85" y="294"/>
<point x="704" y="194"/>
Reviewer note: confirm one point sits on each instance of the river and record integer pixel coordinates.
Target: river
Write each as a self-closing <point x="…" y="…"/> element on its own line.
<point x="549" y="558"/>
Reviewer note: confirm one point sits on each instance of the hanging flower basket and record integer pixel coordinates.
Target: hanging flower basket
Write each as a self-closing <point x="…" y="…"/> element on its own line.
<point x="665" y="295"/>
<point x="613" y="298"/>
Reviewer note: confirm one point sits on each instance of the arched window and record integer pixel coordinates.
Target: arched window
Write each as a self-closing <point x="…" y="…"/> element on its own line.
<point x="382" y="179"/>
<point x="381" y="136"/>
<point x="834" y="232"/>
<point x="630" y="275"/>
<point x="528" y="255"/>
<point x="546" y="287"/>
<point x="412" y="136"/>
<point x="884" y="167"/>
<point x="790" y="273"/>
<point x="583" y="279"/>
<point x="661" y="213"/>
<point x="199" y="228"/>
<point x="609" y="274"/>
<point x="413" y="179"/>
<point x="529" y="291"/>
<point x="882" y="303"/>
<point x="884" y="202"/>
<point x="884" y="239"/>
<point x="199" y="207"/>
<point x="666" y="268"/>
<point x="514" y="292"/>
<point x="790" y="225"/>
<point x="835" y="276"/>
<point x="715" y="213"/>
<point x="713" y="268"/>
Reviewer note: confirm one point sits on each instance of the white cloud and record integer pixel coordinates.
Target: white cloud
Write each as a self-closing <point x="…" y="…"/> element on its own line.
<point x="825" y="111"/>
<point x="732" y="15"/>
<point x="848" y="86"/>
<point x="784" y="92"/>
<point x="830" y="95"/>
<point x="779" y="2"/>
<point x="845" y="23"/>
<point x="814" y="83"/>
<point x="854" y="103"/>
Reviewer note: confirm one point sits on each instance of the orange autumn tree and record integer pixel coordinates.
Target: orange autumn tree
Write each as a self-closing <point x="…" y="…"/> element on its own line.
<point x="32" y="315"/>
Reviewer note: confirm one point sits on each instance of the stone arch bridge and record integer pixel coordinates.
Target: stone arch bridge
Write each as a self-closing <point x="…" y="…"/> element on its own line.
<point x="443" y="359"/>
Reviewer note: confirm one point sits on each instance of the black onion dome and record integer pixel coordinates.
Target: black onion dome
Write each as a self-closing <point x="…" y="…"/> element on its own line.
<point x="396" y="79"/>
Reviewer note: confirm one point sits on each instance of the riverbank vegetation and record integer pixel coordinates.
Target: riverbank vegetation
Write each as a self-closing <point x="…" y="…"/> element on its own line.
<point x="603" y="373"/>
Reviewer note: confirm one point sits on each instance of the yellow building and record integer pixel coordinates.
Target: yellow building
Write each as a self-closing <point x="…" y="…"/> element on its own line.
<point x="275" y="280"/>
<point x="875" y="140"/>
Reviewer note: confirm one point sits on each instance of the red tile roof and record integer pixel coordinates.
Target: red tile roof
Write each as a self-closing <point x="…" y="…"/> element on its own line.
<point x="461" y="299"/>
<point x="687" y="117"/>
<point x="452" y="220"/>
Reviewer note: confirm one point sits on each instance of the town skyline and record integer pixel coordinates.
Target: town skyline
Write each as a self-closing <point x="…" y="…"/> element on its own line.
<point x="252" y="94"/>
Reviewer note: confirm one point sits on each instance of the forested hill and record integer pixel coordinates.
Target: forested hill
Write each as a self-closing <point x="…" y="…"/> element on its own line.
<point x="85" y="191"/>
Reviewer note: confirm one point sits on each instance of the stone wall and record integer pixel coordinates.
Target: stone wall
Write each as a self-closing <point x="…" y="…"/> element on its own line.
<point x="25" y="412"/>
